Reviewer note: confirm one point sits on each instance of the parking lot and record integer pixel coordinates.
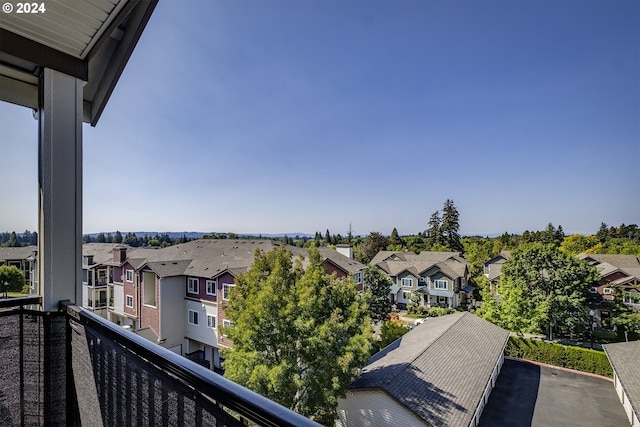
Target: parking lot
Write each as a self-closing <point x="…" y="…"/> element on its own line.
<point x="527" y="394"/>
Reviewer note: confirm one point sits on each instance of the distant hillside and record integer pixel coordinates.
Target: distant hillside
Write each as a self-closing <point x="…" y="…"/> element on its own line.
<point x="199" y="234"/>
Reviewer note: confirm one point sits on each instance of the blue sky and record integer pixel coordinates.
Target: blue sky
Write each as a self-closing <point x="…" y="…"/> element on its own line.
<point x="296" y="116"/>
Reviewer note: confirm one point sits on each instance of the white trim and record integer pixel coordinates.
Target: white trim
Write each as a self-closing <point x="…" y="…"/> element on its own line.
<point x="440" y="281"/>
<point x="225" y="294"/>
<point x="128" y="272"/>
<point x="409" y="279"/>
<point x="215" y="321"/>
<point x="127" y="301"/>
<point x="215" y="287"/>
<point x="193" y="285"/>
<point x="193" y="318"/>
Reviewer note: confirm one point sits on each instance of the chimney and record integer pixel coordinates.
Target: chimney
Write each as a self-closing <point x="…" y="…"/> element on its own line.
<point x="119" y="254"/>
<point x="345" y="250"/>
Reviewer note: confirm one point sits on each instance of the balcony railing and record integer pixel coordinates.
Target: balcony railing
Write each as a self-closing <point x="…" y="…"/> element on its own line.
<point x="72" y="368"/>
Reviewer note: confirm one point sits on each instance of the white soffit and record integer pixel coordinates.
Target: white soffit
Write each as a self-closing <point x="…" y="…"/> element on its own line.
<point x="70" y="26"/>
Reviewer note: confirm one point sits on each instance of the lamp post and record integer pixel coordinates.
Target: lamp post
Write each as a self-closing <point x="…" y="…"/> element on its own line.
<point x="6" y="289"/>
<point x="591" y="323"/>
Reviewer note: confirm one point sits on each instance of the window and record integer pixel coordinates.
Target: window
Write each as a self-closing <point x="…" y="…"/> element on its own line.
<point x="192" y="285"/>
<point x="593" y="290"/>
<point x="226" y="323"/>
<point x="440" y="284"/>
<point x="357" y="277"/>
<point x="607" y="291"/>
<point x="130" y="301"/>
<point x="226" y="288"/>
<point x="193" y="317"/>
<point x="406" y="295"/>
<point x="129" y="275"/>
<point x="407" y="282"/>
<point x="212" y="287"/>
<point x="149" y="288"/>
<point x="211" y="321"/>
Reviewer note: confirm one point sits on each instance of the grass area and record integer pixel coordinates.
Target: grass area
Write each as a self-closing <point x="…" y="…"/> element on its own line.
<point x="14" y="295"/>
<point x="414" y="315"/>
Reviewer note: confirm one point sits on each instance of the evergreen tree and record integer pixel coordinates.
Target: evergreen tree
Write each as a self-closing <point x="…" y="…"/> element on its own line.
<point x="450" y="227"/>
<point x="395" y="238"/>
<point x="13" y="241"/>
<point x="327" y="237"/>
<point x="117" y="238"/>
<point x="100" y="238"/>
<point x="378" y="286"/>
<point x="433" y="233"/>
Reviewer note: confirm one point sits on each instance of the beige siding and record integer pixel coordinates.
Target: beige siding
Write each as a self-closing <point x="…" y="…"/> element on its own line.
<point x="374" y="408"/>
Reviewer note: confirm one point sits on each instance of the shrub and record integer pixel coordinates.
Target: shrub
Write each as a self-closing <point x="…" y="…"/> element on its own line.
<point x="440" y="311"/>
<point x="26" y="289"/>
<point x="578" y="358"/>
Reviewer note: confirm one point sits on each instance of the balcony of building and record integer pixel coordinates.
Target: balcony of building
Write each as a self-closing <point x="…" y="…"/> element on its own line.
<point x="71" y="367"/>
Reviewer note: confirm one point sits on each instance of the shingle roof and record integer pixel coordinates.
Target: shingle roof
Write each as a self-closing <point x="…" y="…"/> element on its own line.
<point x="429" y="369"/>
<point x="619" y="260"/>
<point x="624" y="360"/>
<point x="19" y="253"/>
<point x="344" y="262"/>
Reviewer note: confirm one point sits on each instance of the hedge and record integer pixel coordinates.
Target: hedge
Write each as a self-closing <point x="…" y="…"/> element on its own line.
<point x="578" y="358"/>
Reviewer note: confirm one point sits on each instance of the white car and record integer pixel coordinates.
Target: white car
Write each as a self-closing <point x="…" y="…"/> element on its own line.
<point x="420" y="321"/>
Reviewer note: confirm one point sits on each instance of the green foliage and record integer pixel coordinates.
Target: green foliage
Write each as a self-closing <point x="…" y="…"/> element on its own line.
<point x="415" y="303"/>
<point x="13" y="276"/>
<point x="26" y="289"/>
<point x="578" y="358"/>
<point x="440" y="311"/>
<point x="299" y="334"/>
<point x="391" y="330"/>
<point x="371" y="245"/>
<point x="378" y="285"/>
<point x="541" y="285"/>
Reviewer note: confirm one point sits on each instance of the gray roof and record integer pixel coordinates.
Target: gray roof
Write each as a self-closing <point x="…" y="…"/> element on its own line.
<point x="619" y="260"/>
<point x="438" y="370"/>
<point x="624" y="360"/>
<point x="19" y="253"/>
<point x="394" y="263"/>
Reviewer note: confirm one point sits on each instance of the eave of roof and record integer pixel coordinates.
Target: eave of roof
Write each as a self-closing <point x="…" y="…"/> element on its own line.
<point x="25" y="51"/>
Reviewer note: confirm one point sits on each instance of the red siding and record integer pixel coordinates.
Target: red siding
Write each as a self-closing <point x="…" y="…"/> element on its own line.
<point x="223" y="278"/>
<point x="130" y="289"/>
<point x="150" y="316"/>
<point x="331" y="268"/>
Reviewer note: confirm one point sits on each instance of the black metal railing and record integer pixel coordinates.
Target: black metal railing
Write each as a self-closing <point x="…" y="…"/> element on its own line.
<point x="75" y="368"/>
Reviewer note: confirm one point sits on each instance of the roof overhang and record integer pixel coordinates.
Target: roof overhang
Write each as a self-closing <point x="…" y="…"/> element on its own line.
<point x="91" y="41"/>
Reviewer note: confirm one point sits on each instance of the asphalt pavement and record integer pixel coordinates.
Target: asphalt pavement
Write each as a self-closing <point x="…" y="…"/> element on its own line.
<point x="531" y="395"/>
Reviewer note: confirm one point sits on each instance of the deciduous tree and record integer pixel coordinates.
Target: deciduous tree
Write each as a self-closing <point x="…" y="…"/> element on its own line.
<point x="13" y="276"/>
<point x="299" y="334"/>
<point x="541" y="286"/>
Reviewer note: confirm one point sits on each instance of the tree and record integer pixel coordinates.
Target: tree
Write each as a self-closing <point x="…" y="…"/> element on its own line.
<point x="372" y="244"/>
<point x="577" y="243"/>
<point x="395" y="239"/>
<point x="299" y="334"/>
<point x="432" y="233"/>
<point x="378" y="285"/>
<point x="100" y="238"/>
<point x="542" y="286"/>
<point x="450" y="227"/>
<point x="13" y="241"/>
<point x="118" y="237"/>
<point x="391" y="330"/>
<point x="13" y="276"/>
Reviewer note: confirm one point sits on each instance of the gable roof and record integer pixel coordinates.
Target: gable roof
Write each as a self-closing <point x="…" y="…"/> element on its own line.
<point x="341" y="261"/>
<point x="393" y="263"/>
<point x="624" y="360"/>
<point x="425" y="369"/>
